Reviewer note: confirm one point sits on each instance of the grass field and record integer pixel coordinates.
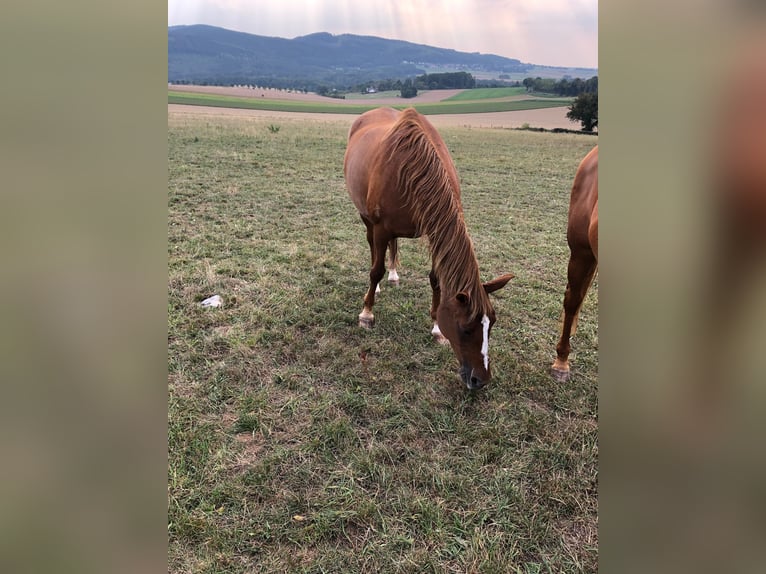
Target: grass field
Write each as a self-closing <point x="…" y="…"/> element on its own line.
<point x="377" y="95"/>
<point x="486" y="94"/>
<point x="446" y="107"/>
<point x="298" y="442"/>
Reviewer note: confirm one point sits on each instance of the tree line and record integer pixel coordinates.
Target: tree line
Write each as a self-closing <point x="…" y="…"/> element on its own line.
<point x="445" y="81"/>
<point x="409" y="88"/>
<point x="564" y="87"/>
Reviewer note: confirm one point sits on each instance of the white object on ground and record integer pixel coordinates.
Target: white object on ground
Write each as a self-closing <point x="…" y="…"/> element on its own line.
<point x="214" y="301"/>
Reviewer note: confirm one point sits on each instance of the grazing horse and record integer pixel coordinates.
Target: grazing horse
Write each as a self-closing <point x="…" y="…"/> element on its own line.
<point x="582" y="237"/>
<point x="401" y="178"/>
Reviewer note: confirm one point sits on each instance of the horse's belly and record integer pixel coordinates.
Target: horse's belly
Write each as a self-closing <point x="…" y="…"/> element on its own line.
<point x="396" y="221"/>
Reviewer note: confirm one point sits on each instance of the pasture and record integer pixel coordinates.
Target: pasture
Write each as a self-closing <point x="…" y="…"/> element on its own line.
<point x="299" y="442"/>
<point x="487" y="94"/>
<point x="464" y="105"/>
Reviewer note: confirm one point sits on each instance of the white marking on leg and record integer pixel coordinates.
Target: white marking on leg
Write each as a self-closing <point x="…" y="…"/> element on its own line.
<point x="485" y="341"/>
<point x="377" y="288"/>
<point x="393" y="276"/>
<point x="438" y="335"/>
<point x="366" y="318"/>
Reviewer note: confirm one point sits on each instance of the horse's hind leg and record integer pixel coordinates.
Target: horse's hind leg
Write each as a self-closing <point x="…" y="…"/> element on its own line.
<point x="580" y="273"/>
<point x="377" y="270"/>
<point x="371" y="242"/>
<point x="393" y="256"/>
<point x="393" y="261"/>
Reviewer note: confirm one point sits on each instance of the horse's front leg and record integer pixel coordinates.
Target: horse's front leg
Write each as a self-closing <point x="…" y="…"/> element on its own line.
<point x="393" y="263"/>
<point x="377" y="270"/>
<point x="435" y="299"/>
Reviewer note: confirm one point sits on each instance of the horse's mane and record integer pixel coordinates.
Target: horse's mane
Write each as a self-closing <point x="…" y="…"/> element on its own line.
<point x="434" y="200"/>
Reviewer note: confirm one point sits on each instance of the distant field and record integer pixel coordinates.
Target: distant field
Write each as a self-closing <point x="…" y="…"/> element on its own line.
<point x="376" y="95"/>
<point x="480" y="106"/>
<point x="463" y="106"/>
<point x="223" y="101"/>
<point x="486" y="93"/>
<point x="299" y="442"/>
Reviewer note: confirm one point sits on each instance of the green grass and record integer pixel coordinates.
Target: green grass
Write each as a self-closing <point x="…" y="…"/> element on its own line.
<point x="376" y="95"/>
<point x="484" y="106"/>
<point x="446" y="107"/>
<point x="287" y="451"/>
<point x="486" y="93"/>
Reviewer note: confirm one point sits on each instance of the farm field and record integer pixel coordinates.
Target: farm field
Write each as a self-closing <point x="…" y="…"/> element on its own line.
<point x="488" y="93"/>
<point x="443" y="107"/>
<point x="382" y="98"/>
<point x="434" y="102"/>
<point x="299" y="442"/>
<point x="547" y="118"/>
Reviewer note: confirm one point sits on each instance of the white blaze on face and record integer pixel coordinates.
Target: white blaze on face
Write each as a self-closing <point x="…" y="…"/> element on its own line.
<point x="485" y="341"/>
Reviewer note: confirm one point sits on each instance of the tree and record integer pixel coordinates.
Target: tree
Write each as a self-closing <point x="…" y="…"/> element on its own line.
<point x="528" y="84"/>
<point x="585" y="110"/>
<point x="408" y="89"/>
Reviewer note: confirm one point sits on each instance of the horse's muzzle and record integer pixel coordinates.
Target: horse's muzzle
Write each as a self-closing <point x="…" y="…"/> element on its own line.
<point x="471" y="381"/>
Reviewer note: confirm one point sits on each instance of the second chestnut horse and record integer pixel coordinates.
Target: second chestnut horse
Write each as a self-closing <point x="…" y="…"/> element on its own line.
<point x="582" y="237"/>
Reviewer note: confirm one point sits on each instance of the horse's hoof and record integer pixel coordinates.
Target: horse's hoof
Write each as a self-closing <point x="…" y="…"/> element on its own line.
<point x="366" y="322"/>
<point x="560" y="375"/>
<point x="441" y="339"/>
<point x="438" y="337"/>
<point x="393" y="282"/>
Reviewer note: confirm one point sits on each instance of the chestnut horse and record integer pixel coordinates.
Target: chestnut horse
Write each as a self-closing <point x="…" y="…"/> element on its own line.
<point x="582" y="237"/>
<point x="402" y="180"/>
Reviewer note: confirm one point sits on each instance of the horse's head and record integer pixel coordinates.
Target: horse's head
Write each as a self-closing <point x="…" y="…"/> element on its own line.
<point x="468" y="333"/>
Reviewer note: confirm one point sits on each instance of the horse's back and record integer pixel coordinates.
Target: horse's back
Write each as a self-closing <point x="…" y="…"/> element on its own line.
<point x="364" y="138"/>
<point x="372" y="118"/>
<point x="388" y="152"/>
<point x="582" y="228"/>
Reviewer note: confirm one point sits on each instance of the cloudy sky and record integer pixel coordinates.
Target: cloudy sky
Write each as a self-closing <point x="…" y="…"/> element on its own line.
<point x="545" y="32"/>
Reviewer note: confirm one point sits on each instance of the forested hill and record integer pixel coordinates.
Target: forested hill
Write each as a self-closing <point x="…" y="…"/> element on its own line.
<point x="207" y="54"/>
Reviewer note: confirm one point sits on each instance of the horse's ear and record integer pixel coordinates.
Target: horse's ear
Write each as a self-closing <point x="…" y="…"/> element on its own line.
<point x="498" y="283"/>
<point x="463" y="298"/>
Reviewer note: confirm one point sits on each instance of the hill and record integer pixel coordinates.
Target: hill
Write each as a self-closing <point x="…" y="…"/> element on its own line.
<point x="202" y="54"/>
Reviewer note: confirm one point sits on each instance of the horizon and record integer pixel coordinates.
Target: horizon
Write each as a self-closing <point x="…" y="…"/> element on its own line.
<point x="551" y="33"/>
<point x="380" y="37"/>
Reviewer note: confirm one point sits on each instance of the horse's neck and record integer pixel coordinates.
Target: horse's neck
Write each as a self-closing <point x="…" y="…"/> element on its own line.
<point x="454" y="260"/>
